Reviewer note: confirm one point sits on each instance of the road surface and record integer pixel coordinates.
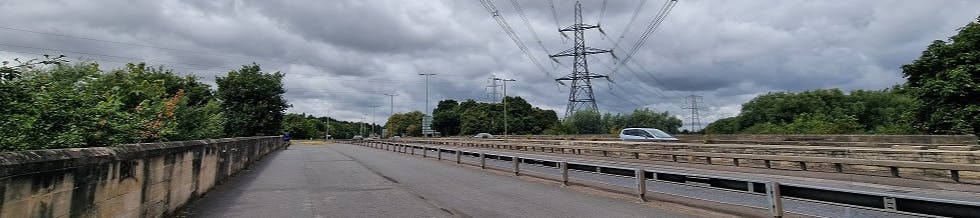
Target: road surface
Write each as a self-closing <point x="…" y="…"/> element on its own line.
<point x="340" y="180"/>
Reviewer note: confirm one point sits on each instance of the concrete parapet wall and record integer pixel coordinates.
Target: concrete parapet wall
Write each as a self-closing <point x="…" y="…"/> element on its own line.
<point x="136" y="180"/>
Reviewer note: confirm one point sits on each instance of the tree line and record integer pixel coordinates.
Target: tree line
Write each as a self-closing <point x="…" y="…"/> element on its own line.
<point x="469" y="117"/>
<point x="50" y="103"/>
<point x="303" y="126"/>
<point x="941" y="95"/>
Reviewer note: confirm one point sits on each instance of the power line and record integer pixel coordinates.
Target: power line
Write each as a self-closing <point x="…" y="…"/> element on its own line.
<point x="651" y="27"/>
<point x="527" y="24"/>
<point x="602" y="13"/>
<point x="636" y="12"/>
<point x="489" y="6"/>
<point x="554" y="14"/>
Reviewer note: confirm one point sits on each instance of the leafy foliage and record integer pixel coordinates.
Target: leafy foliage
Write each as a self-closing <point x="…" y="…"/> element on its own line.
<point x="405" y="124"/>
<point x="826" y="111"/>
<point x="54" y="104"/>
<point x="587" y="122"/>
<point x="254" y="98"/>
<point x="946" y="81"/>
<point x="471" y="117"/>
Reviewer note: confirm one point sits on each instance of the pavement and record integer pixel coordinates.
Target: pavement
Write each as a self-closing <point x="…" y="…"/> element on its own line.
<point x="339" y="180"/>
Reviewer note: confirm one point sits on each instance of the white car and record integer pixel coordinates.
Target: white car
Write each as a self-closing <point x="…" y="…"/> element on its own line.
<point x="644" y="134"/>
<point x="483" y="135"/>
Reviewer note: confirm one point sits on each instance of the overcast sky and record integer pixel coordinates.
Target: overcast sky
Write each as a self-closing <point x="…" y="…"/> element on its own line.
<point x="340" y="56"/>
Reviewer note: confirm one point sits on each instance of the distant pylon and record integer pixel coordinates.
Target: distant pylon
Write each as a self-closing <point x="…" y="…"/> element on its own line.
<point x="580" y="94"/>
<point x="492" y="88"/>
<point x="695" y="102"/>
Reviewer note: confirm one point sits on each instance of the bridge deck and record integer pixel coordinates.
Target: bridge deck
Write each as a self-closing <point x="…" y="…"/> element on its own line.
<point x="347" y="181"/>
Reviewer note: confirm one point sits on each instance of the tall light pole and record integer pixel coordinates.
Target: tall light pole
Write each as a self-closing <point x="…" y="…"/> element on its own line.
<point x="326" y="136"/>
<point x="362" y="125"/>
<point x="426" y="91"/>
<point x="505" y="102"/>
<point x="426" y="119"/>
<point x="392" y="98"/>
<point x="372" y="119"/>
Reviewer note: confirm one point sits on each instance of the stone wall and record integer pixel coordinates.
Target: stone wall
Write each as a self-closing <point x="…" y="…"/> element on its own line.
<point x="137" y="180"/>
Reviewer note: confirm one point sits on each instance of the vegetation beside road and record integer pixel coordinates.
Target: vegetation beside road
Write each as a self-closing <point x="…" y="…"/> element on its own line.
<point x="941" y="95"/>
<point x="51" y="103"/>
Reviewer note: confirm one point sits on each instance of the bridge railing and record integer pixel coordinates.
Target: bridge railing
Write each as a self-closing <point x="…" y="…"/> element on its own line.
<point x="894" y="167"/>
<point x="773" y="191"/>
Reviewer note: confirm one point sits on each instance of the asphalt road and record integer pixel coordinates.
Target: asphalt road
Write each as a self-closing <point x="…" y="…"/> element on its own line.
<point x="341" y="180"/>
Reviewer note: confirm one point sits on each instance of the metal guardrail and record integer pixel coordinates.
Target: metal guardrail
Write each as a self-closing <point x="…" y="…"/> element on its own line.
<point x="838" y="164"/>
<point x="774" y="192"/>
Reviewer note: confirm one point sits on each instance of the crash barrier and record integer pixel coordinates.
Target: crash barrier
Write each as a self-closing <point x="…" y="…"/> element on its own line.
<point x="774" y="192"/>
<point x="933" y="171"/>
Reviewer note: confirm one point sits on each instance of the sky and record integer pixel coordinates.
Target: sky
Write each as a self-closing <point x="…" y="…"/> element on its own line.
<point x="340" y="57"/>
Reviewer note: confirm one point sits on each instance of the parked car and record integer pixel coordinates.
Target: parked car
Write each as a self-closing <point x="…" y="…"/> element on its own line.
<point x="358" y="137"/>
<point x="395" y="138"/>
<point x="483" y="135"/>
<point x="644" y="134"/>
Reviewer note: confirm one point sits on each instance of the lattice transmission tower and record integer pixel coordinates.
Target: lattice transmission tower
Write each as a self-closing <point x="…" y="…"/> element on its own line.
<point x="695" y="106"/>
<point x="580" y="96"/>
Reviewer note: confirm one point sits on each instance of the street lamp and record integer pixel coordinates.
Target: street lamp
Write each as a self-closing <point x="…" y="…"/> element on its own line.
<point x="426" y="91"/>
<point x="426" y="119"/>
<point x="372" y="119"/>
<point x="505" y="102"/>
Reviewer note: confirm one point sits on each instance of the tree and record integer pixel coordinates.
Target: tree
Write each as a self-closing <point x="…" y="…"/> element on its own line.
<point x="253" y="101"/>
<point x="445" y="118"/>
<point x="409" y="124"/>
<point x="946" y="82"/>
<point x="822" y="111"/>
<point x="584" y="122"/>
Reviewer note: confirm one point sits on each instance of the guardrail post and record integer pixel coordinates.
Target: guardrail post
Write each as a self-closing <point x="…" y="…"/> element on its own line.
<point x="955" y="175"/>
<point x="438" y="153"/>
<point x="412" y="147"/>
<point x="459" y="156"/>
<point x="889" y="203"/>
<point x="641" y="184"/>
<point x="483" y="160"/>
<point x="517" y="165"/>
<point x="564" y="173"/>
<point x="425" y="152"/>
<point x="775" y="199"/>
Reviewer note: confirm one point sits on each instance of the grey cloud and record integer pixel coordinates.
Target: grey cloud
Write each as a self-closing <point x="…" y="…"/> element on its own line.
<point x="337" y="55"/>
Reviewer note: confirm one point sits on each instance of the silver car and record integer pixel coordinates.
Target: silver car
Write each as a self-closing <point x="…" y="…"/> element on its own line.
<point x="644" y="134"/>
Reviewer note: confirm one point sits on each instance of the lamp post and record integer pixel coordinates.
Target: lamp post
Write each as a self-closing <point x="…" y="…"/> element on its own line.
<point x="426" y="91"/>
<point x="505" y="102"/>
<point x="372" y="119"/>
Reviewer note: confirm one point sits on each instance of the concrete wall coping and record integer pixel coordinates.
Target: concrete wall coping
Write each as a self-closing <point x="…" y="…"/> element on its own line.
<point x="21" y="162"/>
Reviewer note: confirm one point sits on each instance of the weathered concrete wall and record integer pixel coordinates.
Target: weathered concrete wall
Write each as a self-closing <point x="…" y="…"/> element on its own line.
<point x="138" y="180"/>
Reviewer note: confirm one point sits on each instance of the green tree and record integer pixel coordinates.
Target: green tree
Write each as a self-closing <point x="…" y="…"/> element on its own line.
<point x="584" y="122"/>
<point x="445" y="118"/>
<point x="254" y="101"/>
<point x="409" y="124"/>
<point x="946" y="81"/>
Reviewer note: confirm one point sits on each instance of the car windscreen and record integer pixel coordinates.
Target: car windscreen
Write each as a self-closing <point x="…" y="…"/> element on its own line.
<point x="658" y="133"/>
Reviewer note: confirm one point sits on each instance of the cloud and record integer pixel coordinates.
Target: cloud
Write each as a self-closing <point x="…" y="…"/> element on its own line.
<point x="340" y="56"/>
